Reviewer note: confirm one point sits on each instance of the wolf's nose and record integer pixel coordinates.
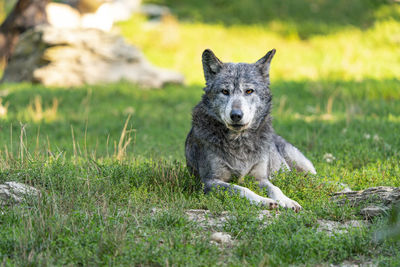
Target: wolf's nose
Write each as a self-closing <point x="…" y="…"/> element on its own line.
<point x="236" y="115"/>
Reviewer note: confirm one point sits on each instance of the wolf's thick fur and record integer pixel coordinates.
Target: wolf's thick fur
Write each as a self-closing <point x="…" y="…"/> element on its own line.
<point x="232" y="134"/>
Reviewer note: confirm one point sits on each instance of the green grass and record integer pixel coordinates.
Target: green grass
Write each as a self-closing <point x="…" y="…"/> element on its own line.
<point x="305" y="18"/>
<point x="336" y="90"/>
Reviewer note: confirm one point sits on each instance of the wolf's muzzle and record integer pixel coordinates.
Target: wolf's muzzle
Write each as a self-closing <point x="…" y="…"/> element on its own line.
<point x="236" y="115"/>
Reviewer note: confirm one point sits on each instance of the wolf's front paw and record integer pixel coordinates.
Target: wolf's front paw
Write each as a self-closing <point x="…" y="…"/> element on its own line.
<point x="287" y="203"/>
<point x="269" y="203"/>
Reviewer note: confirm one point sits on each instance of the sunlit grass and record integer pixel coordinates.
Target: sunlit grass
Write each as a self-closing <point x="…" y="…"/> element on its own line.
<point x="349" y="54"/>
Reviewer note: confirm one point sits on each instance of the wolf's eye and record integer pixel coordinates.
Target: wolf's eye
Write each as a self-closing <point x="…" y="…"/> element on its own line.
<point x="225" y="92"/>
<point x="249" y="91"/>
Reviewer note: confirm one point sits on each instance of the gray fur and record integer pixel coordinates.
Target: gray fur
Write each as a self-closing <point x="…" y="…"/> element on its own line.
<point x="221" y="146"/>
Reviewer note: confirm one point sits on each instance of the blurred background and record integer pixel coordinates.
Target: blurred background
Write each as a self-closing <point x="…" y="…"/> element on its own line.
<point x="315" y="40"/>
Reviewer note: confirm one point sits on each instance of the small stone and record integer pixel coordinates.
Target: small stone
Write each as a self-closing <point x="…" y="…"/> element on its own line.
<point x="154" y="210"/>
<point x="264" y="214"/>
<point x="355" y="263"/>
<point x="205" y="219"/>
<point x="15" y="193"/>
<point x="376" y="138"/>
<point x="221" y="238"/>
<point x="345" y="190"/>
<point x="332" y="227"/>
<point x="328" y="157"/>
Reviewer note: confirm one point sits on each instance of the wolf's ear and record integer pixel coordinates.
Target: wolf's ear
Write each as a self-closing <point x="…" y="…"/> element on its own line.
<point x="211" y="65"/>
<point x="264" y="63"/>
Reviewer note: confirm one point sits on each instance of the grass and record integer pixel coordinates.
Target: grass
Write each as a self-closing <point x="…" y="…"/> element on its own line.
<point x="303" y="18"/>
<point x="104" y="156"/>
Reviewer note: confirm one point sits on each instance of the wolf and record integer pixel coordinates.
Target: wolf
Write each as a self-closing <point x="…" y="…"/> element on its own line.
<point x="232" y="134"/>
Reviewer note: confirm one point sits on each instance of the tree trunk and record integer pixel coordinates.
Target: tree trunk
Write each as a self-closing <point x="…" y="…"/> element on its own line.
<point x="25" y="15"/>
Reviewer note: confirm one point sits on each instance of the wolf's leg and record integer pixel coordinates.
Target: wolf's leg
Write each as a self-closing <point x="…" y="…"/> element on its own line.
<point x="242" y="191"/>
<point x="293" y="156"/>
<point x="261" y="171"/>
<point x="276" y="194"/>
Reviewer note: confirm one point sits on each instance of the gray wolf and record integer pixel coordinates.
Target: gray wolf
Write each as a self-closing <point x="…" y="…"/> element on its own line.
<point x="232" y="134"/>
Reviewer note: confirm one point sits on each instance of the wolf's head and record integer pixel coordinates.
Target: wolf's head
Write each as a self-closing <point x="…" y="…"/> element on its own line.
<point x="237" y="94"/>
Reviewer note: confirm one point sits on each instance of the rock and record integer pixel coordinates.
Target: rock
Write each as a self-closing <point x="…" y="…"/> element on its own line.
<point x="205" y="219"/>
<point x="65" y="17"/>
<point x="123" y="9"/>
<point x="382" y="194"/>
<point x="102" y="19"/>
<point x="208" y="220"/>
<point x="62" y="16"/>
<point x="221" y="238"/>
<point x="373" y="211"/>
<point x="15" y="193"/>
<point x="154" y="210"/>
<point x="332" y="227"/>
<point x="377" y="199"/>
<point x="264" y="214"/>
<point x="74" y="57"/>
<point x="355" y="263"/>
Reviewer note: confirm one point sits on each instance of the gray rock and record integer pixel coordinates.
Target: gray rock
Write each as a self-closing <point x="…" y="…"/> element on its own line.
<point x="206" y="219"/>
<point x="355" y="263"/>
<point x="62" y="16"/>
<point x="123" y="9"/>
<point x="375" y="200"/>
<point x="332" y="227"/>
<point x="74" y="57"/>
<point x="15" y="193"/>
<point x="373" y="211"/>
<point x="264" y="214"/>
<point x="221" y="238"/>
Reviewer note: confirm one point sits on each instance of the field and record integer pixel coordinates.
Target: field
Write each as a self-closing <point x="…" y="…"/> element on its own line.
<point x="105" y="156"/>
